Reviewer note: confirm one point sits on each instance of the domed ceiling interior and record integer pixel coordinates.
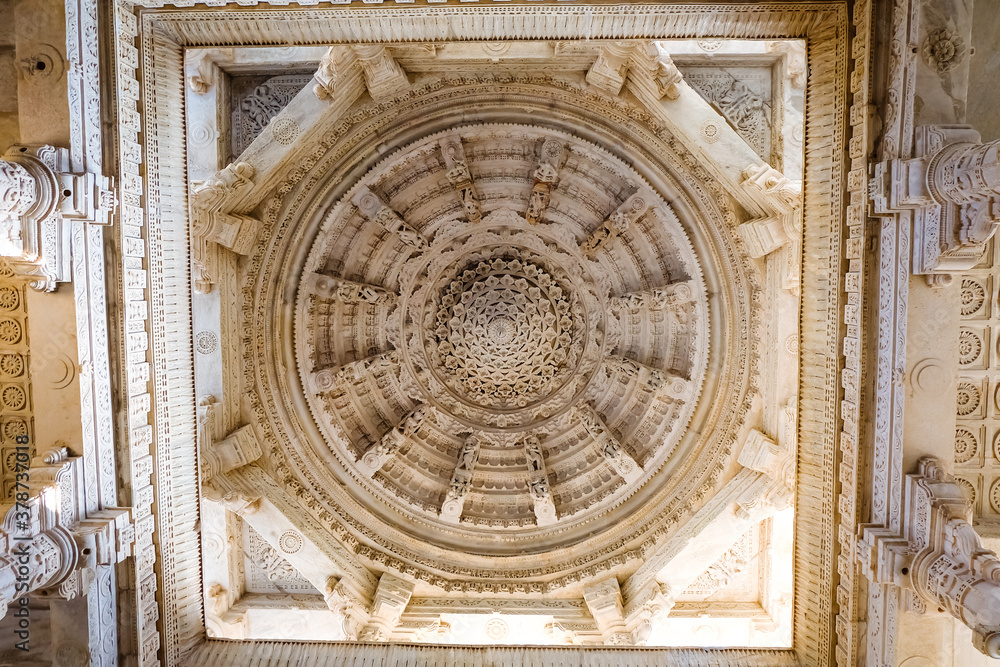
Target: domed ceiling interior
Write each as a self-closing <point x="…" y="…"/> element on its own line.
<point x="501" y="347"/>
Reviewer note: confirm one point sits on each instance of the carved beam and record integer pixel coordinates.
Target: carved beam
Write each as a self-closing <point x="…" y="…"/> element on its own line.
<point x="937" y="555"/>
<point x="609" y="446"/>
<point x="538" y="482"/>
<point x="953" y="186"/>
<point x="38" y="200"/>
<point x="461" y="480"/>
<point x="325" y="379"/>
<point x="545" y="177"/>
<point x="631" y="210"/>
<point x="391" y="598"/>
<point x="380" y="453"/>
<point x="372" y="208"/>
<point x="460" y="177"/>
<point x="604" y="599"/>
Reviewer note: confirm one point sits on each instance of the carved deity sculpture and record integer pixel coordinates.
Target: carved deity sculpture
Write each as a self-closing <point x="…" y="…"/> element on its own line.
<point x="545" y="176"/>
<point x="533" y="454"/>
<point x="17" y="194"/>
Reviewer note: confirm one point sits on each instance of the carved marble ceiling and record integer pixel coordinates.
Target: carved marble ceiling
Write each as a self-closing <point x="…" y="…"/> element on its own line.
<point x="489" y="331"/>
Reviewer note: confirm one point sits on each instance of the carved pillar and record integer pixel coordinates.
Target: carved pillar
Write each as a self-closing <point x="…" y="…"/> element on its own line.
<point x="238" y="449"/>
<point x="604" y="599"/>
<point x="461" y="480"/>
<point x="762" y="454"/>
<point x="937" y="555"/>
<point x="391" y="598"/>
<point x="380" y="453"/>
<point x="38" y="198"/>
<point x="538" y="482"/>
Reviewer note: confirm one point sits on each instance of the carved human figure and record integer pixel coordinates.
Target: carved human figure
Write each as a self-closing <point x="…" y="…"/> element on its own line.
<point x="545" y="175"/>
<point x="457" y="489"/>
<point x="540" y="488"/>
<point x="533" y="454"/>
<point x="469" y="454"/>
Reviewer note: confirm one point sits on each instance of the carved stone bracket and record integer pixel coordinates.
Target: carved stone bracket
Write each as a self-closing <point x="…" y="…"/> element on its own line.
<point x="538" y="482"/>
<point x="460" y="177"/>
<point x="647" y="609"/>
<point x="327" y="379"/>
<point x="604" y="599"/>
<point x="461" y="480"/>
<point x="38" y="198"/>
<point x="657" y="299"/>
<point x="616" y="59"/>
<point x="347" y="605"/>
<point x="384" y="76"/>
<point x="375" y="210"/>
<point x="49" y="543"/>
<point x="212" y="225"/>
<point x="380" y="453"/>
<point x="762" y="454"/>
<point x="938" y="555"/>
<point x="238" y="449"/>
<point x="631" y="210"/>
<point x="953" y="186"/>
<point x="331" y="70"/>
<point x="391" y="598"/>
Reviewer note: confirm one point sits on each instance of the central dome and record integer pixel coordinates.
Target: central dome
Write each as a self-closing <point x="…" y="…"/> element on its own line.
<point x="499" y="333"/>
<point x="500" y="328"/>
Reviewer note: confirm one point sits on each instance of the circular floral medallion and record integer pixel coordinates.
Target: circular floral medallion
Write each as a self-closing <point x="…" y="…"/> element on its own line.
<point x="970" y="347"/>
<point x="968" y="398"/>
<point x="966" y="445"/>
<point x="973" y="296"/>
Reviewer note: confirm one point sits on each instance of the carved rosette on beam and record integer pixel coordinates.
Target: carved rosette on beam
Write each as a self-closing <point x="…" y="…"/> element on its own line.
<point x="953" y="186"/>
<point x="461" y="480"/>
<point x="937" y="555"/>
<point x="38" y="198"/>
<point x="211" y="226"/>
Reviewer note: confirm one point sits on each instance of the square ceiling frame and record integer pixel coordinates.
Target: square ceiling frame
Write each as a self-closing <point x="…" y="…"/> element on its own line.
<point x="148" y="74"/>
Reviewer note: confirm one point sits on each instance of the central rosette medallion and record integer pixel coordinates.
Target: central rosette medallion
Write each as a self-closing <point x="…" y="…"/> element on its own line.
<point x="502" y="324"/>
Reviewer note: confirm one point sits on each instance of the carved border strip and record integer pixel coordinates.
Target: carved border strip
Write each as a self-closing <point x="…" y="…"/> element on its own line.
<point x="816" y="464"/>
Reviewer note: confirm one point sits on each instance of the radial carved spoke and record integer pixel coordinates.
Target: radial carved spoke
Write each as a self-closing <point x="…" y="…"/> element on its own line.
<point x="667" y="297"/>
<point x="663" y="383"/>
<point x="609" y="447"/>
<point x="325" y="379"/>
<point x="461" y="480"/>
<point x="631" y="210"/>
<point x="375" y="210"/>
<point x="380" y="453"/>
<point x="347" y="291"/>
